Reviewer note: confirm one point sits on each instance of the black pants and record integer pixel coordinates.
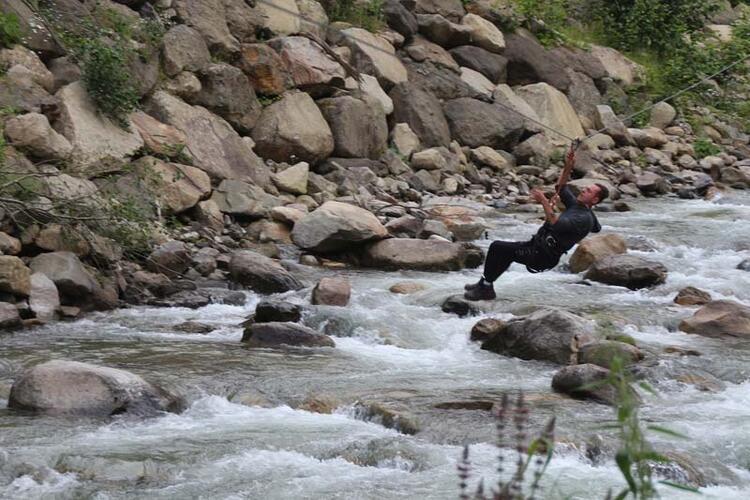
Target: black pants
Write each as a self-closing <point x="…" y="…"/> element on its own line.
<point x="529" y="253"/>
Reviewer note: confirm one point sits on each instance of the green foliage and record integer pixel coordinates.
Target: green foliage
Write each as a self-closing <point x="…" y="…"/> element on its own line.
<point x="704" y="147"/>
<point x="107" y="80"/>
<point x="10" y="29"/>
<point x="365" y="14"/>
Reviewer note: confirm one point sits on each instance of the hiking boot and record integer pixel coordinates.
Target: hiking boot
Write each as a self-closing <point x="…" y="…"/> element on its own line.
<point x="473" y="286"/>
<point x="481" y="292"/>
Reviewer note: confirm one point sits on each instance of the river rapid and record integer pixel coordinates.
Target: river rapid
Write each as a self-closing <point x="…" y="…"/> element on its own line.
<point x="399" y="350"/>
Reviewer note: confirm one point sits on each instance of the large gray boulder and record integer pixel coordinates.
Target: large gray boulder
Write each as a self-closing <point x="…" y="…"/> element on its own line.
<point x="19" y="91"/>
<point x="177" y="187"/>
<point x="33" y="134"/>
<point x="614" y="127"/>
<point x="183" y="49"/>
<point x="244" y="200"/>
<point x="281" y="17"/>
<point x="260" y="273"/>
<point x="399" y="18"/>
<point x="603" y="353"/>
<point x="719" y="318"/>
<point x="547" y="334"/>
<point x="293" y="129"/>
<point x="44" y="299"/>
<point x="10" y="319"/>
<point x="374" y="55"/>
<point x="443" y="82"/>
<point x="586" y="381"/>
<point x="311" y="69"/>
<point x="450" y="9"/>
<point x="226" y="91"/>
<point x="264" y="68"/>
<point x="443" y="32"/>
<point x="475" y="123"/>
<point x="422" y="111"/>
<point x="67" y="272"/>
<point x="284" y="334"/>
<point x="359" y="126"/>
<point x="529" y="62"/>
<point x="70" y="387"/>
<point x="420" y="255"/>
<point x="553" y="109"/>
<point x="493" y="66"/>
<point x="213" y="145"/>
<point x="93" y="136"/>
<point x="628" y="271"/>
<point x="336" y="226"/>
<point x="171" y="259"/>
<point x="209" y="18"/>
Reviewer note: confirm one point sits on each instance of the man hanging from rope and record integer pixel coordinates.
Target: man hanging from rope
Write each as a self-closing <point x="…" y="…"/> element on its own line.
<point x="554" y="238"/>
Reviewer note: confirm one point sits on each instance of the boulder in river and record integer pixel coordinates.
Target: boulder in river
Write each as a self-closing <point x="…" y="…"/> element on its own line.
<point x="548" y="334"/>
<point x="336" y="226"/>
<point x="485" y="329"/>
<point x="407" y="287"/>
<point x="9" y="317"/>
<point x="594" y="248"/>
<point x="421" y="255"/>
<point x="332" y="292"/>
<point x="744" y="265"/>
<point x="284" y="334"/>
<point x="269" y="311"/>
<point x="456" y="304"/>
<point x="628" y="271"/>
<point x="260" y="273"/>
<point x="390" y="415"/>
<point x="603" y="352"/>
<point x="719" y="318"/>
<point x="70" y="387"/>
<point x="691" y="296"/>
<point x="577" y="381"/>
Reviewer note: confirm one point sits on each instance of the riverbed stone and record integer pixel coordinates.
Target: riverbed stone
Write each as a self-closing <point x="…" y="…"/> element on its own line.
<point x="276" y="334"/>
<point x="577" y="381"/>
<point x="336" y="226"/>
<point x="421" y="255"/>
<point x="15" y="277"/>
<point x="10" y="319"/>
<point x="691" y="296"/>
<point x="456" y="304"/>
<point x="627" y="270"/>
<point x="744" y="265"/>
<point x="390" y="415"/>
<point x="171" y="259"/>
<point x="603" y="352"/>
<point x="719" y="318"/>
<point x="44" y="299"/>
<point x="260" y="273"/>
<point x="486" y="329"/>
<point x="274" y="311"/>
<point x="596" y="247"/>
<point x="407" y="287"/>
<point x="548" y="334"/>
<point x="73" y="388"/>
<point x="332" y="292"/>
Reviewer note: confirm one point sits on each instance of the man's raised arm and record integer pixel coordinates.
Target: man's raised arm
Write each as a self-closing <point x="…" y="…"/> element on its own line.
<point x="570" y="161"/>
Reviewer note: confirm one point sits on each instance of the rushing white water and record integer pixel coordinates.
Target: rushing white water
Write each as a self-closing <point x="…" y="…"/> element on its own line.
<point x="400" y="350"/>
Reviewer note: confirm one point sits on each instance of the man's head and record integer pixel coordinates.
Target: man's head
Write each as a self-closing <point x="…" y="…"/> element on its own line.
<point x="593" y="194"/>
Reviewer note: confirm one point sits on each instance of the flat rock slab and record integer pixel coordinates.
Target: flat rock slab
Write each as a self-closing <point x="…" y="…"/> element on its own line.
<point x="284" y="334"/>
<point x="70" y="387"/>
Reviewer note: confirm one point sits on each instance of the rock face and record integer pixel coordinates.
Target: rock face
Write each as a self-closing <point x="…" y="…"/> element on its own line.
<point x="576" y="381"/>
<point x="336" y="226"/>
<point x="260" y="273"/>
<point x="421" y="255"/>
<point x="475" y="123"/>
<point x="594" y="248"/>
<point x="293" y="129"/>
<point x="359" y="126"/>
<point x="215" y="147"/>
<point x="69" y="387"/>
<point x="719" y="318"/>
<point x="332" y="292"/>
<point x="93" y="136"/>
<point x="284" y="334"/>
<point x="546" y="335"/>
<point x="628" y="271"/>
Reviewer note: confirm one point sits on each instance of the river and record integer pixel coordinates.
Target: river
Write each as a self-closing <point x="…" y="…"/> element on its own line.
<point x="400" y="350"/>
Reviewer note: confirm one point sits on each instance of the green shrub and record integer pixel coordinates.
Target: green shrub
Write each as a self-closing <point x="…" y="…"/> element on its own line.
<point x="10" y="29"/>
<point x="107" y="80"/>
<point x="704" y="147"/>
<point x="368" y="15"/>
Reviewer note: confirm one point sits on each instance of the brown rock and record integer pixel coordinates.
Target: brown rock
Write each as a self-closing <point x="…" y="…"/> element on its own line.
<point x="9" y="317"/>
<point x="719" y="318"/>
<point x="485" y="329"/>
<point x="594" y="248"/>
<point x="332" y="292"/>
<point x="159" y="138"/>
<point x="264" y="68"/>
<point x="9" y="245"/>
<point x="407" y="287"/>
<point x="15" y="277"/>
<point x="691" y="296"/>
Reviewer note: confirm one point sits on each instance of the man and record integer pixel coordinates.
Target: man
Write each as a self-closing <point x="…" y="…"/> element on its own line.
<point x="554" y="238"/>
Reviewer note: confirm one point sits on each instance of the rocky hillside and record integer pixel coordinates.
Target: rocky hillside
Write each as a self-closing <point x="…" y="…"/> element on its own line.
<point x="202" y="138"/>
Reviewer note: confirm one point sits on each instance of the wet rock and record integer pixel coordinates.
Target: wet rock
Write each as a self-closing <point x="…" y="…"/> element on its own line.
<point x="548" y="334"/>
<point x="422" y="255"/>
<point x="9" y="317"/>
<point x="188" y="299"/>
<point x="15" y="277"/>
<point x="577" y="380"/>
<point x="194" y="327"/>
<point x="260" y="273"/>
<point x="703" y="382"/>
<point x="691" y="296"/>
<point x="284" y="334"/>
<point x="594" y="248"/>
<point x="486" y="329"/>
<point x="744" y="265"/>
<point x="603" y="352"/>
<point x="171" y="258"/>
<point x="320" y="403"/>
<point x="336" y="226"/>
<point x="628" y="271"/>
<point x="69" y="387"/>
<point x="332" y="292"/>
<point x="456" y="304"/>
<point x="390" y="415"/>
<point x="274" y="311"/>
<point x="407" y="287"/>
<point x="44" y="299"/>
<point x="719" y="318"/>
<point x="465" y="405"/>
